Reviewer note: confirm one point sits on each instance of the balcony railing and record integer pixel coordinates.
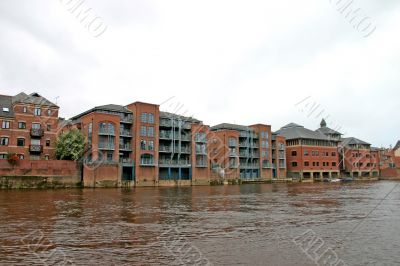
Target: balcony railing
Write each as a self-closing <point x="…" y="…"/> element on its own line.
<point x="37" y="132"/>
<point x="235" y="165"/>
<point x="201" y="151"/>
<point x="254" y="155"/>
<point x="126" y="119"/>
<point x="165" y="135"/>
<point x="171" y="162"/>
<point x="282" y="165"/>
<point x="244" y="154"/>
<point x="165" y="123"/>
<point x="126" y="160"/>
<point x="268" y="165"/>
<point x="185" y="137"/>
<point x="243" y="144"/>
<point x="232" y="154"/>
<point x="106" y="146"/>
<point x="36" y="148"/>
<point x="249" y="165"/>
<point x="165" y="149"/>
<point x="108" y="132"/>
<point x="126" y="133"/>
<point x="201" y="164"/>
<point x="147" y="162"/>
<point x="125" y="147"/>
<point x="282" y="147"/>
<point x="201" y="138"/>
<point x="185" y="150"/>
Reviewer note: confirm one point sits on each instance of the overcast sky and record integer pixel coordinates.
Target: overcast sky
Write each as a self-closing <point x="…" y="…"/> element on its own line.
<point x="244" y="62"/>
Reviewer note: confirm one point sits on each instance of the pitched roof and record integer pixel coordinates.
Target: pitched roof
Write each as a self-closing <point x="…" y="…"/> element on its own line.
<point x="328" y="131"/>
<point x="6" y="109"/>
<point x="231" y="127"/>
<point x="108" y="107"/>
<point x="397" y="145"/>
<point x="295" y="131"/>
<point x="33" y="98"/>
<point x="353" y="141"/>
<point x="184" y="118"/>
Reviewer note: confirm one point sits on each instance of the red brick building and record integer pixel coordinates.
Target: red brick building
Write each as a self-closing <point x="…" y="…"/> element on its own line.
<point x="241" y="152"/>
<point x="145" y="145"/>
<point x="29" y="126"/>
<point x="278" y="157"/>
<point x="310" y="155"/>
<point x="358" y="159"/>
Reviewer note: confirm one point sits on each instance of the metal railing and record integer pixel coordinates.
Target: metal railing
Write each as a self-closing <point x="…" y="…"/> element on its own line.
<point x="37" y="132"/>
<point x="106" y="146"/>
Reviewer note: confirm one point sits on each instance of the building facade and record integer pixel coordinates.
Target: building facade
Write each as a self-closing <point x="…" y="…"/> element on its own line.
<point x="358" y="159"/>
<point x="29" y="126"/>
<point x="241" y="152"/>
<point x="310" y="155"/>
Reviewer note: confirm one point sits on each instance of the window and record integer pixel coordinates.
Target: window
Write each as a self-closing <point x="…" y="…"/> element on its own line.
<point x="264" y="144"/>
<point x="294" y="164"/>
<point x="306" y="163"/>
<point x="21" y="156"/>
<point x="264" y="153"/>
<point x="327" y="163"/>
<point x="150" y="131"/>
<point x="37" y="111"/>
<point x="146" y="159"/>
<point x="231" y="142"/>
<point x="333" y="163"/>
<point x="46" y="157"/>
<point x="3" y="156"/>
<point x="24" y="109"/>
<point x="90" y="130"/>
<point x="143" y="144"/>
<point x="4" y="141"/>
<point x="5" y="124"/>
<point x="49" y="112"/>
<point x="110" y="156"/>
<point x="151" y="145"/>
<point x="20" y="142"/>
<point x="151" y="118"/>
<point x="305" y="152"/>
<point x="143" y="131"/>
<point x="6" y="109"/>
<point x="48" y="127"/>
<point x="21" y="125"/>
<point x="47" y="143"/>
<point x="36" y="126"/>
<point x="294" y="153"/>
<point x="143" y="117"/>
<point x="35" y="141"/>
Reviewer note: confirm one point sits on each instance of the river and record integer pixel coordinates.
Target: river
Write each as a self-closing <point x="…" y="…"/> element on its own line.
<point x="260" y="224"/>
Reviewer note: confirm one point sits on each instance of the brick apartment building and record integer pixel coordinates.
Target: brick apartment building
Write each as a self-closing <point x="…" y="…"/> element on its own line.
<point x="310" y="155"/>
<point x="358" y="159"/>
<point x="28" y="126"/>
<point x="149" y="146"/>
<point x="242" y="152"/>
<point x="278" y="157"/>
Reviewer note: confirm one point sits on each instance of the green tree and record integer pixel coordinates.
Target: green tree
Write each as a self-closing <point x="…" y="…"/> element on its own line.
<point x="70" y="145"/>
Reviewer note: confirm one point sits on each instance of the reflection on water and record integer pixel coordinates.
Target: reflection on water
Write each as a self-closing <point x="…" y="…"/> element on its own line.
<point x="227" y="225"/>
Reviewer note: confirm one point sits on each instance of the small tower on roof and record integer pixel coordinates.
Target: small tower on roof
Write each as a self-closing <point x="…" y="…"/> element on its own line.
<point x="323" y="123"/>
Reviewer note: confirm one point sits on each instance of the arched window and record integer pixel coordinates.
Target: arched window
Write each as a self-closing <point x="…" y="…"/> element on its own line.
<point x="146" y="159"/>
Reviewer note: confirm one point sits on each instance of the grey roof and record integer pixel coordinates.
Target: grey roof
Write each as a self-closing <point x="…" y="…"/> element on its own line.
<point x="231" y="127"/>
<point x="397" y="145"/>
<point x="33" y="98"/>
<point x="295" y="131"/>
<point x="108" y="107"/>
<point x="328" y="131"/>
<point x="6" y="102"/>
<point x="184" y="118"/>
<point x="353" y="141"/>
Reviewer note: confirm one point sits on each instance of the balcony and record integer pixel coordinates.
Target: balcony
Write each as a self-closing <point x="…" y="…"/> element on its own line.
<point x="254" y="145"/>
<point x="165" y="123"/>
<point x="165" y="149"/>
<point x="36" y="148"/>
<point x="147" y="162"/>
<point x="107" y="132"/>
<point x="201" y="151"/>
<point x="254" y="155"/>
<point x="281" y="147"/>
<point x="249" y="165"/>
<point x="125" y="147"/>
<point x="282" y="166"/>
<point x="201" y="164"/>
<point x="125" y="133"/>
<point x="126" y="161"/>
<point x="126" y="119"/>
<point x="37" y="132"/>
<point x="184" y="137"/>
<point x="243" y="154"/>
<point x="185" y="150"/>
<point x="165" y="135"/>
<point x="176" y="163"/>
<point x="201" y="138"/>
<point x="106" y="146"/>
<point x="232" y="154"/>
<point x="268" y="165"/>
<point x="243" y="144"/>
<point x="233" y="166"/>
